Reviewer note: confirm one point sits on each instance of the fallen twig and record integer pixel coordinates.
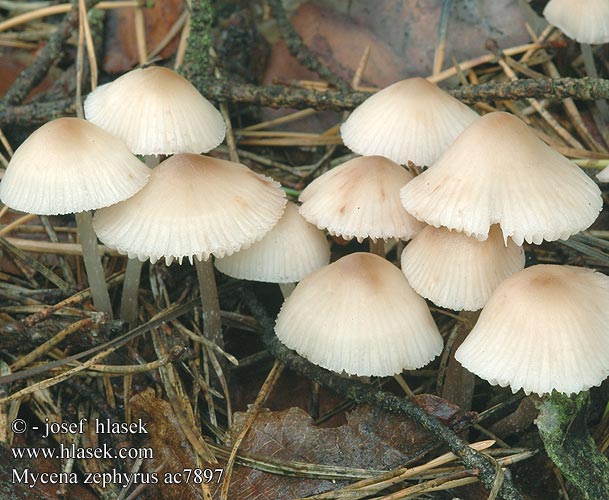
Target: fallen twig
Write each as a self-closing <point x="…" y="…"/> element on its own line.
<point x="363" y="393"/>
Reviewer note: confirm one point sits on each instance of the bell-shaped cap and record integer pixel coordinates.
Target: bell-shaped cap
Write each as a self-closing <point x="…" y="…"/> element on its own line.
<point x="156" y="111"/>
<point x="545" y="328"/>
<point x="499" y="172"/>
<point x="359" y="315"/>
<point x="586" y="21"/>
<point x="360" y="199"/>
<point x="286" y="254"/>
<point x="456" y="271"/>
<point x="193" y="206"/>
<point x="411" y="120"/>
<point x="70" y="165"/>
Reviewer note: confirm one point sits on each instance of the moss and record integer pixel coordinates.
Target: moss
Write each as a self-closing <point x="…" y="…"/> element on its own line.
<point x="197" y="59"/>
<point x="562" y="427"/>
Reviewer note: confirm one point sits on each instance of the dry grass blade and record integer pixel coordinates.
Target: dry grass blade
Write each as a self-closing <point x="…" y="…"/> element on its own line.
<point x="438" y="58"/>
<point x="265" y="390"/>
<point x="373" y="485"/>
<point x="180" y="404"/>
<point x="16" y="223"/>
<point x="41" y="350"/>
<point x="34" y="264"/>
<point x="292" y="117"/>
<point x="59" y="9"/>
<point x="70" y="301"/>
<point x="44" y="384"/>
<point x="35" y="246"/>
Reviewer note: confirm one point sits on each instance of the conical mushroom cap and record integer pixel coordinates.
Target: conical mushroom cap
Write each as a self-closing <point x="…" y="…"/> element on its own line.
<point x="499" y="172"/>
<point x="456" y="271"/>
<point x="409" y="120"/>
<point x="156" y="111"/>
<point x="586" y="21"/>
<point x="545" y="328"/>
<point x="69" y="165"/>
<point x="193" y="206"/>
<point x="359" y="315"/>
<point x="286" y="254"/>
<point x="360" y="199"/>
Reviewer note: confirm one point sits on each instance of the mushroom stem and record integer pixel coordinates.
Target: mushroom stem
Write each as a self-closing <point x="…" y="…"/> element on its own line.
<point x="458" y="385"/>
<point x="363" y="393"/>
<point x="212" y="323"/>
<point x="93" y="265"/>
<point x="133" y="272"/>
<point x="562" y="427"/>
<point x="287" y="289"/>
<point x="601" y="104"/>
<point x="131" y="286"/>
<point x="377" y="247"/>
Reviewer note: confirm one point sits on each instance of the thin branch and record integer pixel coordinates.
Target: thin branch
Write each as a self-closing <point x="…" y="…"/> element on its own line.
<point x="277" y="96"/>
<point x="299" y="50"/>
<point x="362" y="393"/>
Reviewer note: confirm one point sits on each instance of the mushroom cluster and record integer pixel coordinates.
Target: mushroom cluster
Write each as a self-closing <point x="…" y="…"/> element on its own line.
<point x="497" y="172"/>
<point x="72" y="166"/>
<point x="189" y="206"/>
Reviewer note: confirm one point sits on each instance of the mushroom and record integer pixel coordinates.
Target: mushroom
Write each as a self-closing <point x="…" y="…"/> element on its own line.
<point x="194" y="207"/>
<point x="361" y="199"/>
<point x="72" y="166"/>
<point x="359" y="315"/>
<point x="410" y="120"/>
<point x="587" y="22"/>
<point x="498" y="172"/>
<point x="290" y="251"/>
<point x="456" y="271"/>
<point x="156" y="111"/>
<point x="161" y="113"/>
<point x="546" y="330"/>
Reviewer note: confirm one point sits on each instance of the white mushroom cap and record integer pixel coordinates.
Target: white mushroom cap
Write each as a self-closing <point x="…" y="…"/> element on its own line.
<point x="409" y="120"/>
<point x="586" y="21"/>
<point x="286" y="254"/>
<point x="359" y="315"/>
<point x="499" y="172"/>
<point x="193" y="206"/>
<point x="456" y="271"/>
<point x="545" y="328"/>
<point x="70" y="165"/>
<point x="360" y="199"/>
<point x="156" y="111"/>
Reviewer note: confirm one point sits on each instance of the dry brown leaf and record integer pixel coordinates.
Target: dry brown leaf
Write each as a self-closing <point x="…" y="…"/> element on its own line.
<point x="371" y="439"/>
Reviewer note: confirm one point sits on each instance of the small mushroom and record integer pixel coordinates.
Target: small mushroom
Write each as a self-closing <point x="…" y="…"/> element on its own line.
<point x="156" y="111"/>
<point x="498" y="172"/>
<point x="587" y="22"/>
<point x="360" y="199"/>
<point x="456" y="271"/>
<point x="161" y="113"/>
<point x="545" y="330"/>
<point x="290" y="251"/>
<point x="411" y="120"/>
<point x="72" y="166"/>
<point x="194" y="207"/>
<point x="359" y="315"/>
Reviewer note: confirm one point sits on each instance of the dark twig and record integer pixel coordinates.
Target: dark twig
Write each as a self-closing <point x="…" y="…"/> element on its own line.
<point x="48" y="56"/>
<point x="35" y="113"/>
<point x="299" y="50"/>
<point x="363" y="393"/>
<point x="587" y="89"/>
<point x="277" y="96"/>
